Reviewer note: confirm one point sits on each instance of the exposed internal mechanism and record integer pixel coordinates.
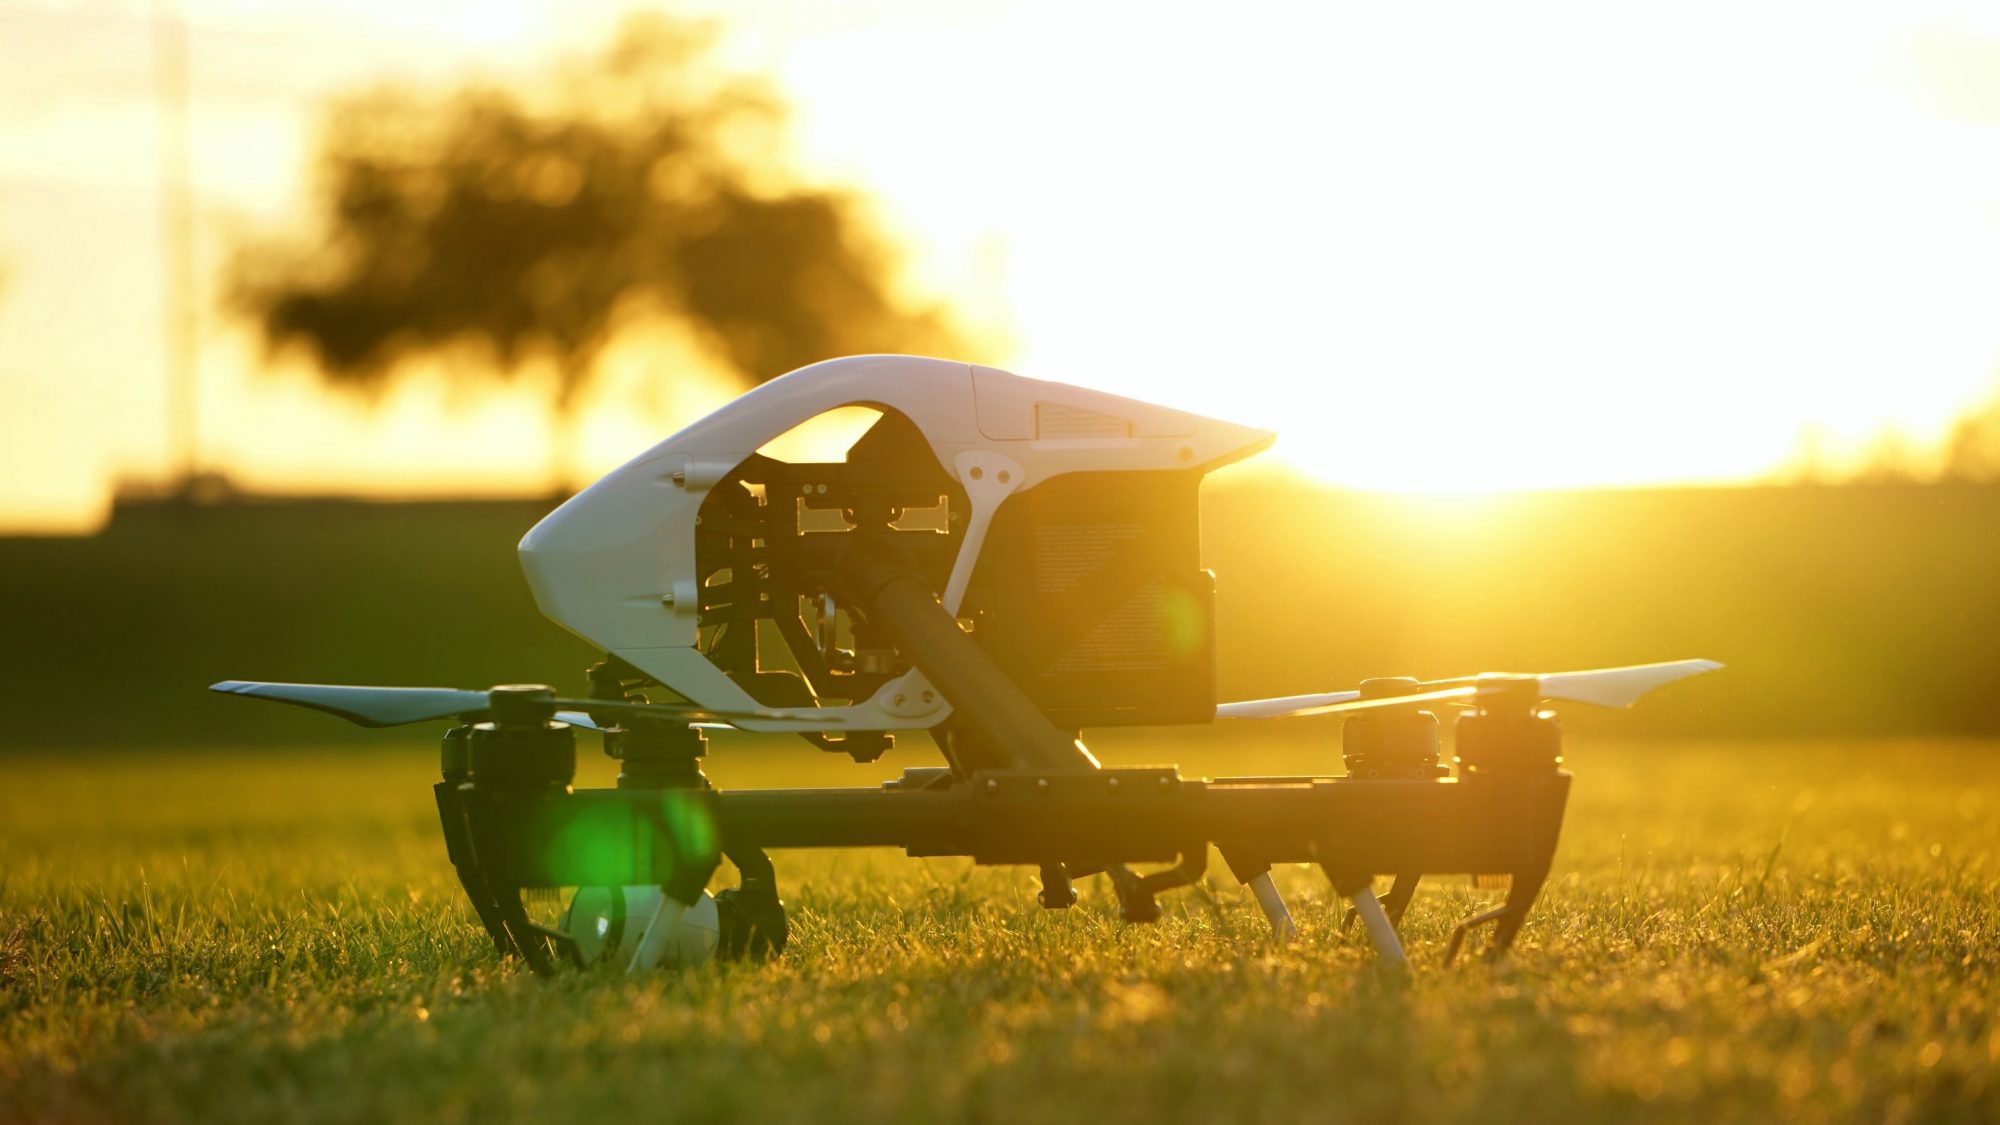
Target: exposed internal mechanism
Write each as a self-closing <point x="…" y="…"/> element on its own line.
<point x="1087" y="590"/>
<point x="768" y="542"/>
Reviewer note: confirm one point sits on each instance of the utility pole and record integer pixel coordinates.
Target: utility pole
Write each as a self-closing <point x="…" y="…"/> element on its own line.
<point x="178" y="289"/>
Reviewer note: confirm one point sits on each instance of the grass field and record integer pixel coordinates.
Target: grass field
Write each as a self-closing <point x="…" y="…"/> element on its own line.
<point x="1735" y="932"/>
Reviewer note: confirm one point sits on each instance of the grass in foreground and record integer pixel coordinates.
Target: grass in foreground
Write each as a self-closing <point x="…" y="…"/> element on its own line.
<point x="1733" y="932"/>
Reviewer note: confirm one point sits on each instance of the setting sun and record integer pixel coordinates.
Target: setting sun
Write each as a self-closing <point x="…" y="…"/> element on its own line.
<point x="1553" y="246"/>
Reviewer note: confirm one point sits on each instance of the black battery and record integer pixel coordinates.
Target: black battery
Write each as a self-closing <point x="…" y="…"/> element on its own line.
<point x="1090" y="594"/>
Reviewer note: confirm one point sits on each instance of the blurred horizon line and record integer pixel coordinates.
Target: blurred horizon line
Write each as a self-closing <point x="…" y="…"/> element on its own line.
<point x="211" y="489"/>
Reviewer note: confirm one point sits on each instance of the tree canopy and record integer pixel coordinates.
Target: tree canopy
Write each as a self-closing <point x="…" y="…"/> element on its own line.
<point x="1972" y="451"/>
<point x="644" y="182"/>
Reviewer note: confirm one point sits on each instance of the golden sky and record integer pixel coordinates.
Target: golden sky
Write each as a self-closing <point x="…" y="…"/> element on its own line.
<point x="1451" y="247"/>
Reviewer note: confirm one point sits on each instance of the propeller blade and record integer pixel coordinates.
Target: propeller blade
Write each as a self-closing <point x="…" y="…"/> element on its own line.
<point x="689" y="712"/>
<point x="398" y="706"/>
<point x="367" y="706"/>
<point x="1282" y="706"/>
<point x="1602" y="687"/>
<point x="1437" y="695"/>
<point x="577" y="719"/>
<point x="583" y="721"/>
<point x="1620" y="687"/>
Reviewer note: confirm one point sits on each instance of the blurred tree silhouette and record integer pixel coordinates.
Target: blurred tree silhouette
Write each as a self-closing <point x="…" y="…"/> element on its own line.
<point x="1972" y="453"/>
<point x="649" y="183"/>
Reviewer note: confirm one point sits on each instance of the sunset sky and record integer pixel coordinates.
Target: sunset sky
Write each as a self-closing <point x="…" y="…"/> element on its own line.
<point x="1441" y="247"/>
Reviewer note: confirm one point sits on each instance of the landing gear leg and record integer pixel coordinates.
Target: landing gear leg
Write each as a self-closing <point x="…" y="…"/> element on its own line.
<point x="750" y="915"/>
<point x="1275" y="911"/>
<point x="1398" y="898"/>
<point x="1393" y="903"/>
<point x="1257" y="876"/>
<point x="1359" y="890"/>
<point x="1381" y="932"/>
<point x="1058" y="892"/>
<point x="1506" y="919"/>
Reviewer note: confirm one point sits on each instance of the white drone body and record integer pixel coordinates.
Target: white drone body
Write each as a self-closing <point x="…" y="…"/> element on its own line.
<point x="1083" y="506"/>
<point x="616" y="564"/>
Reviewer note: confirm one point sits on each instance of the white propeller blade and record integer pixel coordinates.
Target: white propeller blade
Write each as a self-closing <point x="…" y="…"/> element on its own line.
<point x="576" y="719"/>
<point x="1602" y="687"/>
<point x="368" y="706"/>
<point x="397" y="706"/>
<point x="1283" y="706"/>
<point x="1620" y="687"/>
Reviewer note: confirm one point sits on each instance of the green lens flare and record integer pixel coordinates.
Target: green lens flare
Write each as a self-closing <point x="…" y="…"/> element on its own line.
<point x="1186" y="626"/>
<point x="616" y="843"/>
<point x="599" y="843"/>
<point x="691" y="827"/>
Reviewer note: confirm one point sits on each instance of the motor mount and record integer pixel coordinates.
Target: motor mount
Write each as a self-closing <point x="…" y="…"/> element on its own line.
<point x="519" y="747"/>
<point x="1379" y="745"/>
<point x="1507" y="743"/>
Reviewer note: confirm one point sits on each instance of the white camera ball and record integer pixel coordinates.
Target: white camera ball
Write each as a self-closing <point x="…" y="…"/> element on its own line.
<point x="610" y="923"/>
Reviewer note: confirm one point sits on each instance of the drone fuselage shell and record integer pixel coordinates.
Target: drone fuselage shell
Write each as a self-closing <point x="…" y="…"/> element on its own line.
<point x="616" y="563"/>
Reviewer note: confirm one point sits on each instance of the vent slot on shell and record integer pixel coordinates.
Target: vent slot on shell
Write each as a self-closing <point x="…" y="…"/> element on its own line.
<point x="1060" y="421"/>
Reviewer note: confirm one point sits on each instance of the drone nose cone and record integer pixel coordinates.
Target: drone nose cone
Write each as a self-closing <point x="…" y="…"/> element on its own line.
<point x="1216" y="443"/>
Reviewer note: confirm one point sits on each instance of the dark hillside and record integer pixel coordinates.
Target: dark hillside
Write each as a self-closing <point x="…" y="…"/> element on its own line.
<point x="1840" y="610"/>
<point x="114" y="637"/>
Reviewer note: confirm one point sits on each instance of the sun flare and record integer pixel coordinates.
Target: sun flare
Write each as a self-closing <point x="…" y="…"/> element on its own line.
<point x="1514" y="249"/>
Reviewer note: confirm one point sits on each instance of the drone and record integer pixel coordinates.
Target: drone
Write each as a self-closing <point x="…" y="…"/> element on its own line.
<point x="1000" y="563"/>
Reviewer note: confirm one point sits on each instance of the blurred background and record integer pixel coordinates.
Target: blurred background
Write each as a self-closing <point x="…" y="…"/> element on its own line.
<point x="1594" y="334"/>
